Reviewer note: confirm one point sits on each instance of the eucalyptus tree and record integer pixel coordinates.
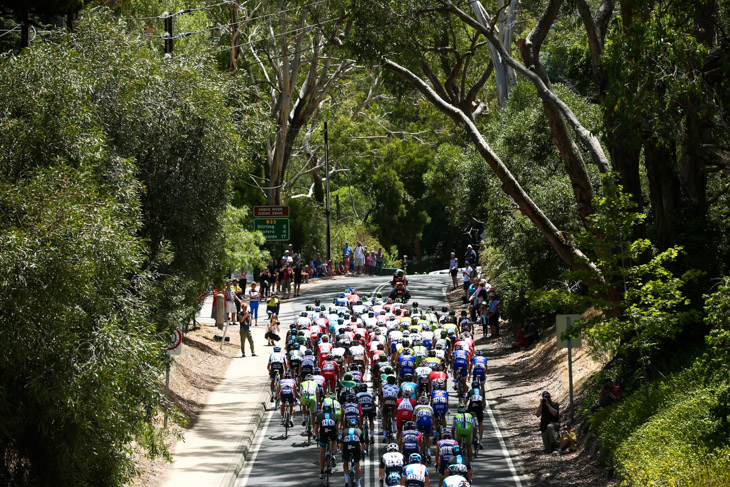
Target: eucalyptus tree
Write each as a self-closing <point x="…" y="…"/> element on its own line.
<point x="293" y="59"/>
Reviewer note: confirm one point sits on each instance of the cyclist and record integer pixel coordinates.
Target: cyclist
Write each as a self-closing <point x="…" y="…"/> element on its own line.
<point x="288" y="394"/>
<point x="479" y="367"/>
<point x="321" y="381"/>
<point x="346" y="387"/>
<point x="406" y="362"/>
<point x="277" y="365"/>
<point x="358" y="355"/>
<point x="444" y="452"/>
<point x="415" y="473"/>
<point x="351" y="440"/>
<point x="436" y="375"/>
<point x="311" y="397"/>
<point x="325" y="430"/>
<point x="476" y="403"/>
<point x="404" y="412"/>
<point x="391" y="463"/>
<point x="424" y="422"/>
<point x="367" y="406"/>
<point x="330" y="371"/>
<point x="335" y="405"/>
<point x="308" y="364"/>
<point x="411" y="441"/>
<point x="462" y="428"/>
<point x="408" y="388"/>
<point x="356" y="373"/>
<point x="461" y="367"/>
<point x="460" y="465"/>
<point x="422" y="378"/>
<point x="389" y="400"/>
<point x="419" y="351"/>
<point x="440" y="403"/>
<point x="295" y="359"/>
<point x="455" y="478"/>
<point x="351" y="410"/>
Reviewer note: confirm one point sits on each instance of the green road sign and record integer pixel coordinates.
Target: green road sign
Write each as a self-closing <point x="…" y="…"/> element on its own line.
<point x="274" y="229"/>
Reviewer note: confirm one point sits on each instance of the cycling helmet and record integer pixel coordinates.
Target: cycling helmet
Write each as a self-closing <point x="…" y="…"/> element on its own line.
<point x="399" y="272"/>
<point x="391" y="379"/>
<point x="330" y="357"/>
<point x="309" y="377"/>
<point x="457" y="448"/>
<point x="432" y="353"/>
<point x="348" y="376"/>
<point x="478" y="353"/>
<point x="440" y="384"/>
<point x="362" y="387"/>
<point x="295" y="346"/>
<point x="350" y="398"/>
<point x="354" y="367"/>
<point x="381" y="346"/>
<point x="408" y="377"/>
<point x="406" y="343"/>
<point x="461" y="407"/>
<point x="287" y="375"/>
<point x="293" y="326"/>
<point x="464" y="483"/>
<point x="444" y="334"/>
<point x="277" y="349"/>
<point x="446" y="435"/>
<point x="317" y="371"/>
<point x="410" y="425"/>
<point x="304" y="314"/>
<point x="325" y="338"/>
<point x="394" y="477"/>
<point x="439" y="346"/>
<point x="414" y="458"/>
<point x="308" y="352"/>
<point x="437" y="366"/>
<point x="475" y="384"/>
<point x="391" y="447"/>
<point x="352" y="422"/>
<point x="423" y="400"/>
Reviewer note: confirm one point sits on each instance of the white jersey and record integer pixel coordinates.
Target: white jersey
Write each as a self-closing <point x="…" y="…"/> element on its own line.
<point x="423" y="411"/>
<point x="357" y="350"/>
<point x="338" y="352"/>
<point x="277" y="358"/>
<point x="423" y="372"/>
<point x="303" y="322"/>
<point x="454" y="481"/>
<point x="392" y="459"/>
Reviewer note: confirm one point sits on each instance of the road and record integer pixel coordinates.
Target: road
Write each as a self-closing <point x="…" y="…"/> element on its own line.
<point x="285" y="462"/>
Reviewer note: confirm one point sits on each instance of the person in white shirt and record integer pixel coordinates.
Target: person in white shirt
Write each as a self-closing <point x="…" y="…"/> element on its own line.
<point x="359" y="258"/>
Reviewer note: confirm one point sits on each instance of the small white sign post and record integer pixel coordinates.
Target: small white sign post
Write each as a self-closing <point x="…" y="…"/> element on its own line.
<point x="563" y="324"/>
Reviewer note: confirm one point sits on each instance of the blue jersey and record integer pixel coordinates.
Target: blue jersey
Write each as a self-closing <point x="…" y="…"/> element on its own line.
<point x="352" y="435"/>
<point x="440" y="401"/>
<point x="308" y="361"/>
<point x="479" y="362"/>
<point x="407" y="365"/>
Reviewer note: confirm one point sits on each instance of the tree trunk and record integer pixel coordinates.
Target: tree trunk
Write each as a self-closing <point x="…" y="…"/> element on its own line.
<point x="663" y="190"/>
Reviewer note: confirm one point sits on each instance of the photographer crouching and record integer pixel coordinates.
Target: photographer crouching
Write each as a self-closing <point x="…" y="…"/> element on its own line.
<point x="549" y="414"/>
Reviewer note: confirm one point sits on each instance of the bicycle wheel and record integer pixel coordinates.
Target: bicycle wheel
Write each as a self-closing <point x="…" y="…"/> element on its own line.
<point x="475" y="447"/>
<point x="327" y="468"/>
<point x="286" y="421"/>
<point x="309" y="429"/>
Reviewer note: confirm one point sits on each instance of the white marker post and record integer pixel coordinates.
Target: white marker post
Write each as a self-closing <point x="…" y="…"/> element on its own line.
<point x="174" y="347"/>
<point x="562" y="325"/>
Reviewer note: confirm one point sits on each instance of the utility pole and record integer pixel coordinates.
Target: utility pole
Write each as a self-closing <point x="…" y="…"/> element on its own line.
<point x="25" y="28"/>
<point x="327" y="186"/>
<point x="168" y="33"/>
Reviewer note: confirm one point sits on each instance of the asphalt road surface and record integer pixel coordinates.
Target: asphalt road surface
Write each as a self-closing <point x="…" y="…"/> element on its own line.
<point x="284" y="462"/>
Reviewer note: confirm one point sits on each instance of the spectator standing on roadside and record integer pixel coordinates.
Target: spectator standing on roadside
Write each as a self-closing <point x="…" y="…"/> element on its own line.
<point x="454" y="269"/>
<point x="239" y="295"/>
<point x="379" y="258"/>
<point x="493" y="315"/>
<point x="549" y="414"/>
<point x="286" y="279"/>
<point x="242" y="280"/>
<point x="298" y="276"/>
<point x="347" y="251"/>
<point x="244" y="320"/>
<point x="470" y="255"/>
<point x="318" y="265"/>
<point x="265" y="280"/>
<point x="253" y="297"/>
<point x="359" y="258"/>
<point x="230" y="296"/>
<point x="467" y="272"/>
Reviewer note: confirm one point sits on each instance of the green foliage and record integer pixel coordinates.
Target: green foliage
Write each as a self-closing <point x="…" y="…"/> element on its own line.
<point x="717" y="316"/>
<point x="79" y="360"/>
<point x="242" y="248"/>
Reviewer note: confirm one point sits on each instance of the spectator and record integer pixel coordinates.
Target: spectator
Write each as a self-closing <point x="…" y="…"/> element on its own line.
<point x="467" y="272"/>
<point x="239" y="294"/>
<point x="379" y="258"/>
<point x="368" y="261"/>
<point x="359" y="258"/>
<point x="286" y="279"/>
<point x="272" y="305"/>
<point x="253" y="303"/>
<point x="470" y="255"/>
<point x="609" y="394"/>
<point x="568" y="441"/>
<point x="244" y="320"/>
<point x="493" y="315"/>
<point x="526" y="336"/>
<point x="242" y="280"/>
<point x="297" y="278"/>
<point x="265" y="280"/>
<point x="307" y="272"/>
<point x="231" y="297"/>
<point x="549" y="414"/>
<point x="318" y="265"/>
<point x="272" y="331"/>
<point x="454" y="269"/>
<point x="346" y="251"/>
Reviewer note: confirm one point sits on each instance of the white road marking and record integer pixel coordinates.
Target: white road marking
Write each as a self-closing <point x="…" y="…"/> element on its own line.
<point x="502" y="444"/>
<point x="243" y="479"/>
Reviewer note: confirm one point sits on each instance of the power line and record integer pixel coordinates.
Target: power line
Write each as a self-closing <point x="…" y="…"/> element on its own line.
<point x="308" y="27"/>
<point x="180" y="12"/>
<point x="6" y="32"/>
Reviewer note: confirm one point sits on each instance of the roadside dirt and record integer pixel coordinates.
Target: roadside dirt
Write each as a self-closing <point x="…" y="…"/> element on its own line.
<point x="516" y="379"/>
